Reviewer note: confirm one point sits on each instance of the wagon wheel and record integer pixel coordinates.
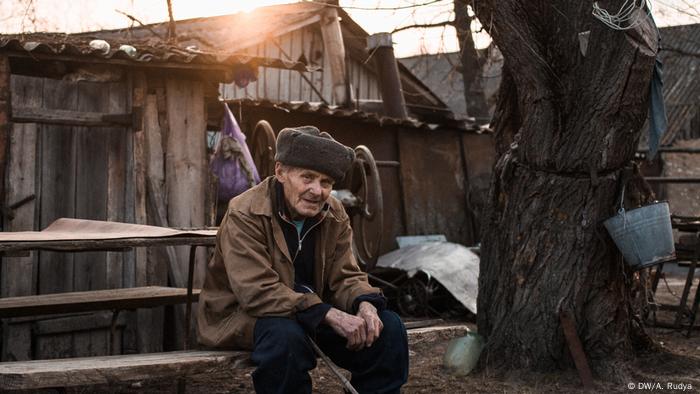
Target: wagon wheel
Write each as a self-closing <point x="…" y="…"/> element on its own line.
<point x="263" y="148"/>
<point x="416" y="295"/>
<point x="368" y="220"/>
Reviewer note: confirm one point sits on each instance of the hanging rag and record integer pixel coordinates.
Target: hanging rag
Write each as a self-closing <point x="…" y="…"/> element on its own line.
<point x="658" y="121"/>
<point x="232" y="162"/>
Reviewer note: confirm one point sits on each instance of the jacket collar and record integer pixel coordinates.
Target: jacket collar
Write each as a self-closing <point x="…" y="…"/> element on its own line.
<point x="262" y="201"/>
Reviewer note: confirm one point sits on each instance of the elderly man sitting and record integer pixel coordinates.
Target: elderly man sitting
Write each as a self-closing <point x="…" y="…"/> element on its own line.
<point x="283" y="271"/>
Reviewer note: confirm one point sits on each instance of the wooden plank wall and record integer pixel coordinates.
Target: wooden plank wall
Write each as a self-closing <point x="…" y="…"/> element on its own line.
<point x="79" y="172"/>
<point x="286" y="85"/>
<point x="186" y="166"/>
<point x="57" y="160"/>
<point x="186" y="160"/>
<point x="149" y="321"/>
<point x="479" y="155"/>
<point x="434" y="185"/>
<point x="18" y="276"/>
<point x="155" y="175"/>
<point x="5" y="113"/>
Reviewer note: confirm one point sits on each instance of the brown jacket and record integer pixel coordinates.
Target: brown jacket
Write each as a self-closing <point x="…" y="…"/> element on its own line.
<point x="251" y="274"/>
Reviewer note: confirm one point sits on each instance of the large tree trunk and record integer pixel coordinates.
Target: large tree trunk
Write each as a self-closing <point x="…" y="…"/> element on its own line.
<point x="566" y="125"/>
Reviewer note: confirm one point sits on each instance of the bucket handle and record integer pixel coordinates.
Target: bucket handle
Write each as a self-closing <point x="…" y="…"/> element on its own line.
<point x="621" y="210"/>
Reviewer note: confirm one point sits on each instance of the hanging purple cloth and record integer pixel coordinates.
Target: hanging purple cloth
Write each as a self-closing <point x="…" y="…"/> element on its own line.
<point x="232" y="162"/>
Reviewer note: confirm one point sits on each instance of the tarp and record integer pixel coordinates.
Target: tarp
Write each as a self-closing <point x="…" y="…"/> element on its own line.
<point x="67" y="229"/>
<point x="451" y="264"/>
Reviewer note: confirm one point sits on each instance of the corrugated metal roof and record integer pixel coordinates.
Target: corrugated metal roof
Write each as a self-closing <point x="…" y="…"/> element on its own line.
<point x="439" y="72"/>
<point x="230" y="33"/>
<point x="78" y="47"/>
<point x="326" y="110"/>
<point x="244" y="30"/>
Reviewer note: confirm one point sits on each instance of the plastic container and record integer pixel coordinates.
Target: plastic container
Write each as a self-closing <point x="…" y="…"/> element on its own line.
<point x="463" y="353"/>
<point x="100" y="45"/>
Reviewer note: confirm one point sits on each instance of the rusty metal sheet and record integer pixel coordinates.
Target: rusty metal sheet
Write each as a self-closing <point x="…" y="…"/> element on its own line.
<point x="576" y="348"/>
<point x="451" y="264"/>
<point x="479" y="152"/>
<point x="434" y="185"/>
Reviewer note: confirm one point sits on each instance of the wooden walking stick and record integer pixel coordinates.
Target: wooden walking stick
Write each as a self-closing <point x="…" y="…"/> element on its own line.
<point x="333" y="368"/>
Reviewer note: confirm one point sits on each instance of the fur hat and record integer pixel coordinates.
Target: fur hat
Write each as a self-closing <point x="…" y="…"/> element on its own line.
<point x="307" y="147"/>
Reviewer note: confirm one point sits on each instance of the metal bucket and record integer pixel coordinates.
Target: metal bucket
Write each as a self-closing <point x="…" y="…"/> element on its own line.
<point x="643" y="235"/>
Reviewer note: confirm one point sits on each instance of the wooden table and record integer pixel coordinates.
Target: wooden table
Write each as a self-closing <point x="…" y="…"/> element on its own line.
<point x="117" y="237"/>
<point x="687" y="249"/>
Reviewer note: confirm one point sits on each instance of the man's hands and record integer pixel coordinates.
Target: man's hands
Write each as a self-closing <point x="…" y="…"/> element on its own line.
<point x="361" y="331"/>
<point x="373" y="324"/>
<point x="350" y="327"/>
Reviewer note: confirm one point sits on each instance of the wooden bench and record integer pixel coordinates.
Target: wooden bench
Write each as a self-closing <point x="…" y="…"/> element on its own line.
<point x="115" y="300"/>
<point x="87" y="301"/>
<point x="66" y="372"/>
<point x="79" y="235"/>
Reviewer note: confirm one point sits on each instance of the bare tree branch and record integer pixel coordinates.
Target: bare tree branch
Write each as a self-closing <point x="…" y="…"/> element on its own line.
<point x="155" y="33"/>
<point x="171" y="24"/>
<point x="386" y="8"/>
<point x="426" y="25"/>
<point x="681" y="51"/>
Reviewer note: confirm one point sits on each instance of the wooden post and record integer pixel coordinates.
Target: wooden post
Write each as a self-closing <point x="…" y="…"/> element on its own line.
<point x="155" y="272"/>
<point x="18" y="274"/>
<point x="116" y="179"/>
<point x="388" y="74"/>
<point x="5" y="115"/>
<point x="149" y="322"/>
<point x="185" y="164"/>
<point x="185" y="158"/>
<point x="335" y="52"/>
<point x="155" y="127"/>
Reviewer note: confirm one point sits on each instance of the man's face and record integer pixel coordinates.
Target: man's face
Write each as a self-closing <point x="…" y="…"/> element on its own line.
<point x="305" y="191"/>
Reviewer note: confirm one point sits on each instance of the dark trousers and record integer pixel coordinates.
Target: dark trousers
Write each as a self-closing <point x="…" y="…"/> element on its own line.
<point x="284" y="356"/>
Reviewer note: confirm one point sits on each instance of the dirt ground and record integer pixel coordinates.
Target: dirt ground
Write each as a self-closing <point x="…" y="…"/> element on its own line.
<point x="677" y="369"/>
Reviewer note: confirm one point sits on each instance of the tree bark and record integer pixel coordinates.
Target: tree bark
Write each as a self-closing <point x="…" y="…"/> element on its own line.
<point x="566" y="125"/>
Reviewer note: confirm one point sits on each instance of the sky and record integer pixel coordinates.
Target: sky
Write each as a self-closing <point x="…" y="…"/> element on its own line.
<point x="77" y="16"/>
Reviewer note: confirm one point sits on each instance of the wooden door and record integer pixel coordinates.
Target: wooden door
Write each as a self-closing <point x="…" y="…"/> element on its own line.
<point x="78" y="172"/>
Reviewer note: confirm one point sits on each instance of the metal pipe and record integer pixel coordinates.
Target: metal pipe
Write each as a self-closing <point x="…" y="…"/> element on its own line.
<point x="387" y="163"/>
<point x="671" y="149"/>
<point x="670" y="179"/>
<point x="188" y="308"/>
<point x="576" y="348"/>
<point x="381" y="47"/>
<point x="382" y="281"/>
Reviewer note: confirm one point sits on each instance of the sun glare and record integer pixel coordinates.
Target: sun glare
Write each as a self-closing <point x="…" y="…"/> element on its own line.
<point x="184" y="9"/>
<point x="78" y="16"/>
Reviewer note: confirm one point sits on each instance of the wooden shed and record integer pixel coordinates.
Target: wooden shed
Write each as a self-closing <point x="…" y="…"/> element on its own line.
<point x="119" y="136"/>
<point x="106" y="134"/>
<point x="444" y="163"/>
<point x="323" y="36"/>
